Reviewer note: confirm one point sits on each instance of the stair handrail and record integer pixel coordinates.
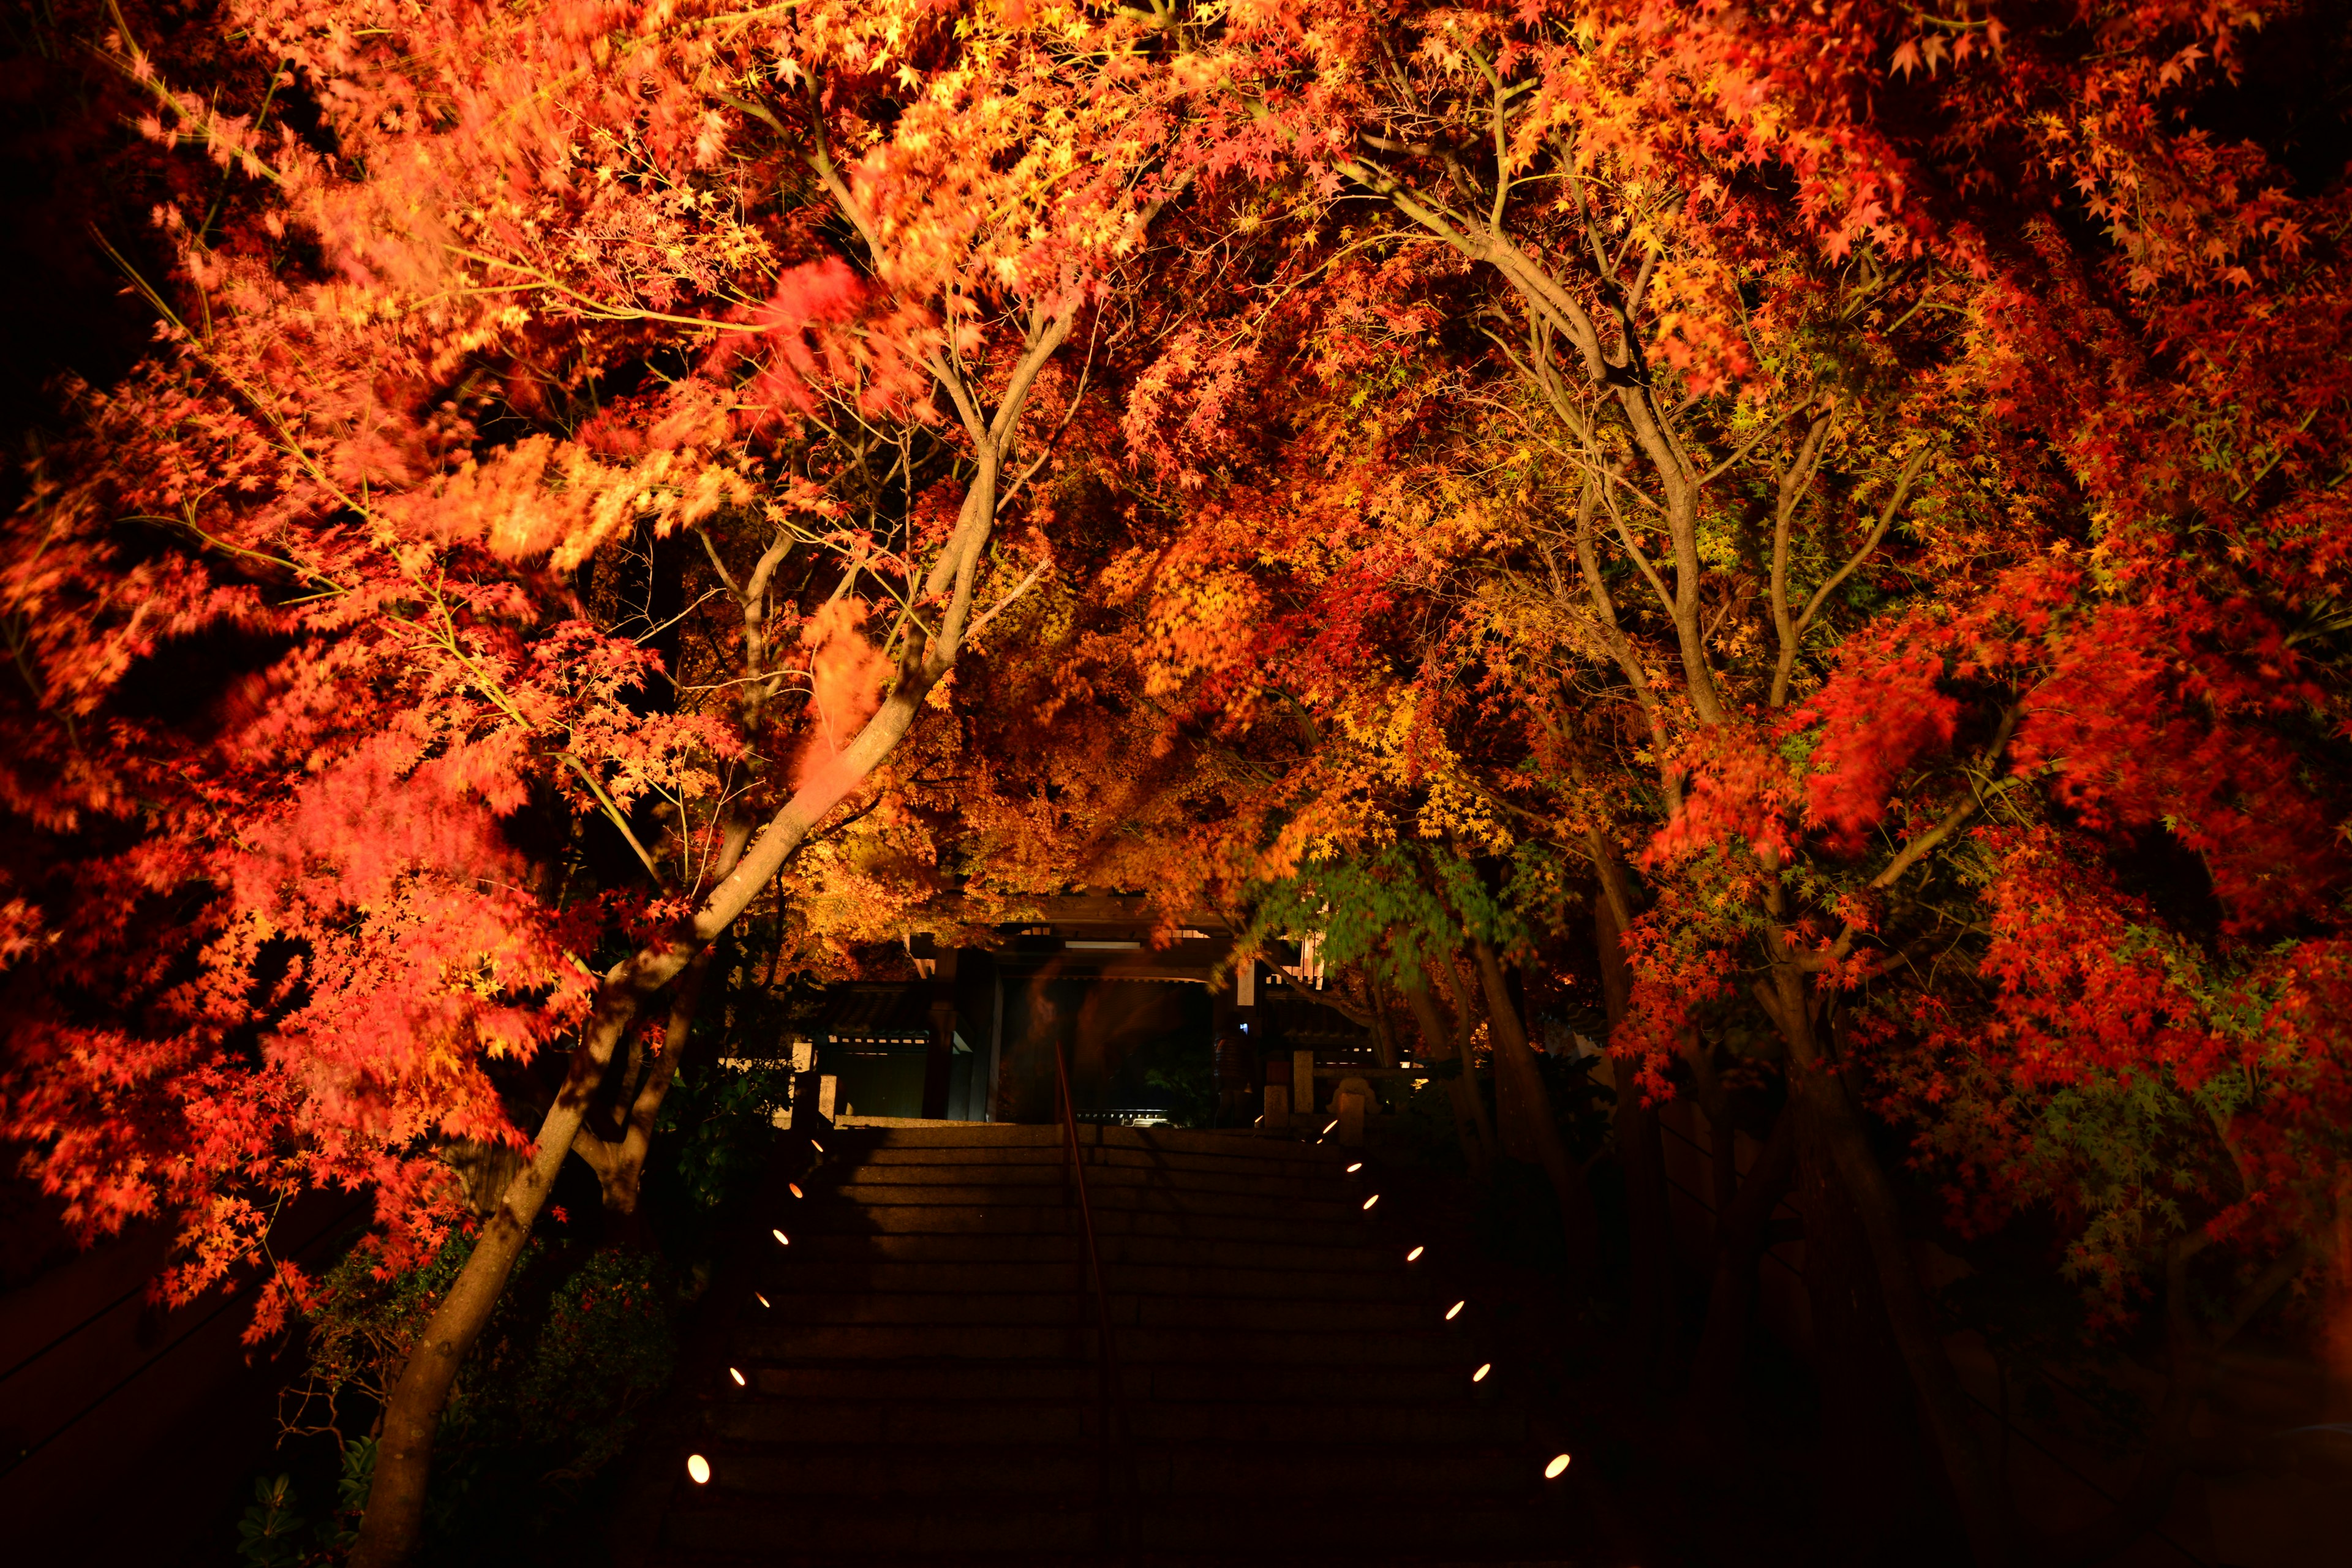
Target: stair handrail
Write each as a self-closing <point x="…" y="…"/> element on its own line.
<point x="1108" y="1388"/>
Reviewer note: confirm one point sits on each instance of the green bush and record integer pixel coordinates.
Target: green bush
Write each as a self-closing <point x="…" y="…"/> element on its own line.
<point x="581" y="1343"/>
<point x="274" y="1534"/>
<point x="712" y="1137"/>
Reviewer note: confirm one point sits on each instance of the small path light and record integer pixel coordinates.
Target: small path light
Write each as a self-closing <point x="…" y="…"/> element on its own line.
<point x="815" y="1145"/>
<point x="1370" y="1201"/>
<point x="1483" y="1368"/>
<point x="1559" y="1465"/>
<point x="781" y="1239"/>
<point x="737" y="1374"/>
<point x="757" y="1297"/>
<point x="697" y="1468"/>
<point x="1326" y="1131"/>
<point x="1356" y="1167"/>
<point x="1414" y="1256"/>
<point x="1455" y="1310"/>
<point x="794" y="1188"/>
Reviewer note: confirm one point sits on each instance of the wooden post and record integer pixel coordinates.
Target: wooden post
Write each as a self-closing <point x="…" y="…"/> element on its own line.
<point x="1302" y="1081"/>
<point x="826" y="1086"/>
<point x="1277" y="1108"/>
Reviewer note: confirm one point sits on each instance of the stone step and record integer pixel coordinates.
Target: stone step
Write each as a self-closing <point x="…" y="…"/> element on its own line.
<point x="1156" y="1251"/>
<point x="1267" y="1187"/>
<point x="758" y="1343"/>
<point x="809" y="1277"/>
<point x="1073" y="1381"/>
<point x="934" y="1472"/>
<point x="1138" y="1197"/>
<point x="1156" y="1309"/>
<point x="1340" y="1522"/>
<point x="920" y="1385"/>
<point x="1059" y="1219"/>
<point x="1223" y="1557"/>
<point x="1343" y="1425"/>
<point x="1012" y="1135"/>
<point x="1270" y="1161"/>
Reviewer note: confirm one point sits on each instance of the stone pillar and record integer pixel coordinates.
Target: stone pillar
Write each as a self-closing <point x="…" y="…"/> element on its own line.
<point x="1351" y="1101"/>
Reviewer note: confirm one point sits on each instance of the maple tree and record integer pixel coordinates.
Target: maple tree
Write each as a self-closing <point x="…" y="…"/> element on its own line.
<point x="1852" y="475"/>
<point x="471" y="313"/>
<point x="1820" y="525"/>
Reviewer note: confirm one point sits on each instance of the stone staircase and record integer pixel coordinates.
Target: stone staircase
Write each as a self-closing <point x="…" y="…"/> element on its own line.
<point x="921" y="1386"/>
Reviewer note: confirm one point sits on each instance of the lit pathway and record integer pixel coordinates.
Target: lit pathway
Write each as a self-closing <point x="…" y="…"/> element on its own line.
<point x="911" y="1379"/>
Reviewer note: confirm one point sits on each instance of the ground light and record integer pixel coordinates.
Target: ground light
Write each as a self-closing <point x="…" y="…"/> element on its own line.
<point x="794" y="1188"/>
<point x="1414" y="1256"/>
<point x="697" y="1468"/>
<point x="815" y="1145"/>
<point x="1370" y="1201"/>
<point x="757" y="1297"/>
<point x="737" y="1374"/>
<point x="781" y="1239"/>
<point x="1326" y="1131"/>
<point x="1559" y="1464"/>
<point x="1356" y="1167"/>
<point x="1483" y="1368"/>
<point x="1455" y="1310"/>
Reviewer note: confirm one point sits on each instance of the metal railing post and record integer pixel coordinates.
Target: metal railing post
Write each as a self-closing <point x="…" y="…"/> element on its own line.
<point x="1109" y="1395"/>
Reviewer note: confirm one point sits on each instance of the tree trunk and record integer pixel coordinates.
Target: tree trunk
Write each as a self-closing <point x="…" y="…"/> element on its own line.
<point x="1743" y="1234"/>
<point x="1836" y="1125"/>
<point x="1466" y="1030"/>
<point x="2335" y="1333"/>
<point x="1519" y="1094"/>
<point x="1640" y="1151"/>
<point x="1469" y="1109"/>
<point x="412" y="1415"/>
<point x="1870" y="1464"/>
<point x="620" y="1165"/>
<point x="394" y="1520"/>
<point x="1383" y="1038"/>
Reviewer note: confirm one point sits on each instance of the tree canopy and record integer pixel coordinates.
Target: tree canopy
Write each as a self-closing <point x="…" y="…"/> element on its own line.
<point x="1821" y="528"/>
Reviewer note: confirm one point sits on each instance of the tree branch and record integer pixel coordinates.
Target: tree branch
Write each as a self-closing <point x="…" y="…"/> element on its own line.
<point x="1925" y="843"/>
<point x="1792" y="487"/>
<point x="1909" y="471"/>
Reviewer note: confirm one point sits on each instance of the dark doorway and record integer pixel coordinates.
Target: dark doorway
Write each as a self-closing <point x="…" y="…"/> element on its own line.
<point x="1130" y="1044"/>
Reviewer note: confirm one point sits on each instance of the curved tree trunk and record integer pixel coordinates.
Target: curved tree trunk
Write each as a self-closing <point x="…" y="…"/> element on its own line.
<point x="394" y="1517"/>
<point x="1743" y="1234"/>
<point x="620" y="1165"/>
<point x="1469" y="1109"/>
<point x="1383" y="1038"/>
<point x="412" y="1415"/>
<point x="1640" y="1151"/>
<point x="1821" y="1090"/>
<point x="1519" y="1091"/>
<point x="1873" y="1469"/>
<point x="1465" y="1028"/>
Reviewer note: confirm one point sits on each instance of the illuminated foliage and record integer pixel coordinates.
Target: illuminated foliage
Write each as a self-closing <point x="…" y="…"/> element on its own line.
<point x="1852" y="493"/>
